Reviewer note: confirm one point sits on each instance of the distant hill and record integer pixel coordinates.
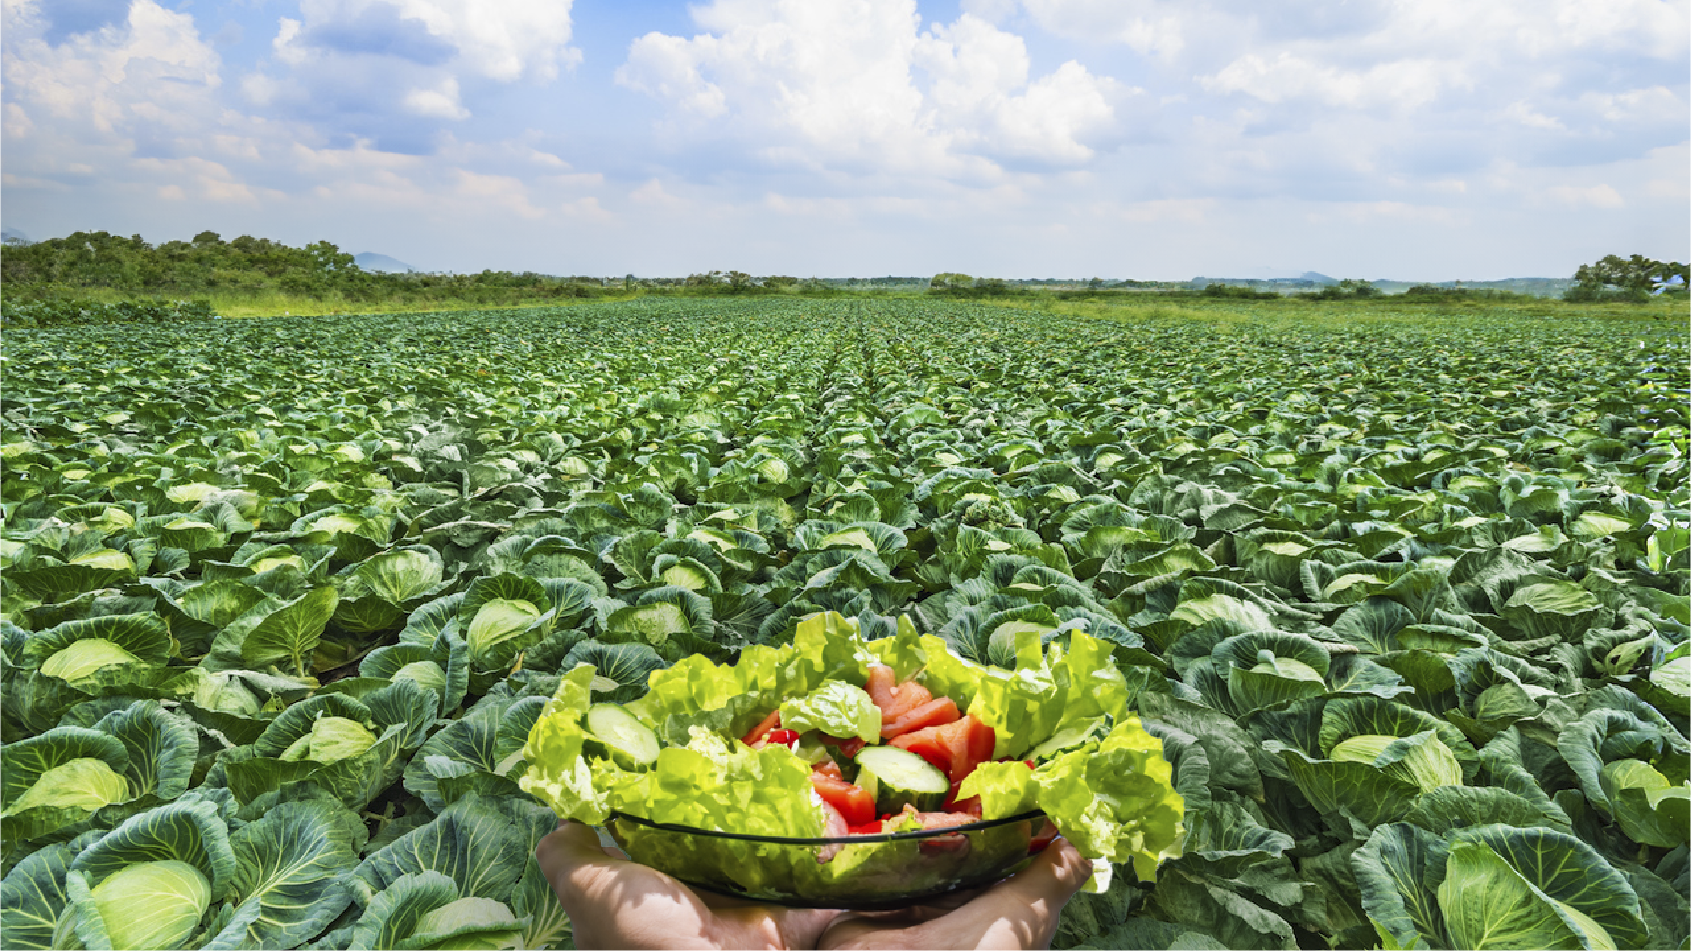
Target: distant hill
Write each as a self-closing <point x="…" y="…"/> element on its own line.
<point x="1306" y="280"/>
<point x="14" y="236"/>
<point x="370" y="261"/>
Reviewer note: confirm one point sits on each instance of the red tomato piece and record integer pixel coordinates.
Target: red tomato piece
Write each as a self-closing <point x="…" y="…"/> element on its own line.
<point x="930" y="714"/>
<point x="1030" y="764"/>
<point x="848" y="747"/>
<point x="880" y="685"/>
<point x="782" y="737"/>
<point x="894" y="699"/>
<point x="830" y="769"/>
<point x="944" y="820"/>
<point x="970" y="806"/>
<point x="853" y="802"/>
<point x="762" y="729"/>
<point x="926" y="744"/>
<point x="867" y="828"/>
<point x="833" y="826"/>
<point x="955" y="748"/>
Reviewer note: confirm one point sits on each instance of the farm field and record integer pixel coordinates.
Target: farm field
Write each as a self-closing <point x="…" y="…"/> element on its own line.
<point x="1404" y="596"/>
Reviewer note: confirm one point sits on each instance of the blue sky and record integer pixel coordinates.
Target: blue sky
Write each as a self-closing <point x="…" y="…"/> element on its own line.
<point x="1406" y="139"/>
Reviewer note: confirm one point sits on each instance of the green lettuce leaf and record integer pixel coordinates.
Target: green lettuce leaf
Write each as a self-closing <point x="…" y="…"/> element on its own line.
<point x="557" y="773"/>
<point x="837" y="709"/>
<point x="1114" y="799"/>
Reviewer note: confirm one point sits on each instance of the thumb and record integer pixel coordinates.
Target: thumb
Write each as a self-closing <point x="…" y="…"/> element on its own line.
<point x="571" y="848"/>
<point x="1053" y="876"/>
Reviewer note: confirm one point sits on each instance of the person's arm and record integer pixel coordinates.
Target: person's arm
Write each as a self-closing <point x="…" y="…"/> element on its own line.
<point x="1019" y="912"/>
<point x="615" y="903"/>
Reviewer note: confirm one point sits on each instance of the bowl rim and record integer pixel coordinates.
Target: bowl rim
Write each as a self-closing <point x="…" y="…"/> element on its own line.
<point x="914" y="834"/>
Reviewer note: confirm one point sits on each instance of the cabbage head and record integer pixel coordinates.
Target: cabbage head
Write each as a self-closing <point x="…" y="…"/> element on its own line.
<point x="84" y="657"/>
<point x="426" y="673"/>
<point x="1421" y="759"/>
<point x="84" y="782"/>
<point x="331" y="740"/>
<point x="498" y="621"/>
<point x="469" y="923"/>
<point x="152" y="904"/>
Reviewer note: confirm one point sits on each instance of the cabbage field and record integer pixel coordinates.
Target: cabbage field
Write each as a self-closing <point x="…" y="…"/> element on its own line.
<point x="1405" y="599"/>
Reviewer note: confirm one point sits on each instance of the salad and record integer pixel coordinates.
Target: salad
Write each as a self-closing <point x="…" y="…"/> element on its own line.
<point x="833" y="737"/>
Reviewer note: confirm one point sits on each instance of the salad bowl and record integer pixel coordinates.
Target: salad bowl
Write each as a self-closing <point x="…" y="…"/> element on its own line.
<point x="860" y="872"/>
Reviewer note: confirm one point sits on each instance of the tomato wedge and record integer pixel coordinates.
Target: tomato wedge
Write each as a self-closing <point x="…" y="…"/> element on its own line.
<point x="829" y="769"/>
<point x="833" y="826"/>
<point x="956" y="748"/>
<point x="762" y="729"/>
<point x="868" y="828"/>
<point x="853" y="802"/>
<point x="894" y="699"/>
<point x="944" y="820"/>
<point x="930" y="714"/>
<point x="970" y="806"/>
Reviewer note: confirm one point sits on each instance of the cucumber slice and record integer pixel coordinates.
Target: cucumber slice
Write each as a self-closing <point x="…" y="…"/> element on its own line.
<point x="896" y="777"/>
<point x="1070" y="737"/>
<point x="631" y="743"/>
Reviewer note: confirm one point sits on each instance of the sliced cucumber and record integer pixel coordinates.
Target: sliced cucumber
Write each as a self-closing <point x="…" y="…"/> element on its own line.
<point x="896" y="777"/>
<point x="631" y="743"/>
<point x="1070" y="737"/>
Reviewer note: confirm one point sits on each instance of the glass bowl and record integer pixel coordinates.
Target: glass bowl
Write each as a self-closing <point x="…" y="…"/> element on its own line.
<point x="865" y="872"/>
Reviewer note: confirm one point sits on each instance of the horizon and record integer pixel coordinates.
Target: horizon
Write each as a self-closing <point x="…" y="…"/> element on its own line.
<point x="1305" y="276"/>
<point x="864" y="136"/>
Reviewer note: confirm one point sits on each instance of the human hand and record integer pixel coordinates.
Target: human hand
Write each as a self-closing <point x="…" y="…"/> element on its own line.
<point x="1019" y="912"/>
<point x="615" y="903"/>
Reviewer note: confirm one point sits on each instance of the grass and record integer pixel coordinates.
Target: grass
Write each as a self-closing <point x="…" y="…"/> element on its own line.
<point x="1132" y="308"/>
<point x="276" y="305"/>
<point x="1347" y="313"/>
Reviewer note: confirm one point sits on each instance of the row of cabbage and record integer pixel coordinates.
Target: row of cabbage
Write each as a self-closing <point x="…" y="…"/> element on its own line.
<point x="1407" y="607"/>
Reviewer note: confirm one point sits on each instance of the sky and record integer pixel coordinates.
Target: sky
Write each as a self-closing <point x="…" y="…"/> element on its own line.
<point x="1147" y="139"/>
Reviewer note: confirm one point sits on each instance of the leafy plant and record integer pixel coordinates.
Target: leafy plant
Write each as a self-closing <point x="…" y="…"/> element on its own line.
<point x="1410" y="596"/>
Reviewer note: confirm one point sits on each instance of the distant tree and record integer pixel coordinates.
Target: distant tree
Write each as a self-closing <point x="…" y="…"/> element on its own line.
<point x="1095" y="284"/>
<point x="739" y="282"/>
<point x="327" y="256"/>
<point x="1219" y="289"/>
<point x="779" y="281"/>
<point x="1347" y="289"/>
<point x="951" y="281"/>
<point x="1632" y="278"/>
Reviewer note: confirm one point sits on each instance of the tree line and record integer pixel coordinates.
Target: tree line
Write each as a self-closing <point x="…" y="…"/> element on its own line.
<point x="1635" y="278"/>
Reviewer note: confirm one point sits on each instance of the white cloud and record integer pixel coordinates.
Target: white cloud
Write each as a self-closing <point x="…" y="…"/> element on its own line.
<point x="396" y="71"/>
<point x="992" y="11"/>
<point x="653" y="193"/>
<point x="155" y="69"/>
<point x="857" y="85"/>
<point x="440" y="102"/>
<point x="136" y="114"/>
<point x="1188" y="210"/>
<point x="1596" y="196"/>
<point x="1401" y="84"/>
<point x="504" y="41"/>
